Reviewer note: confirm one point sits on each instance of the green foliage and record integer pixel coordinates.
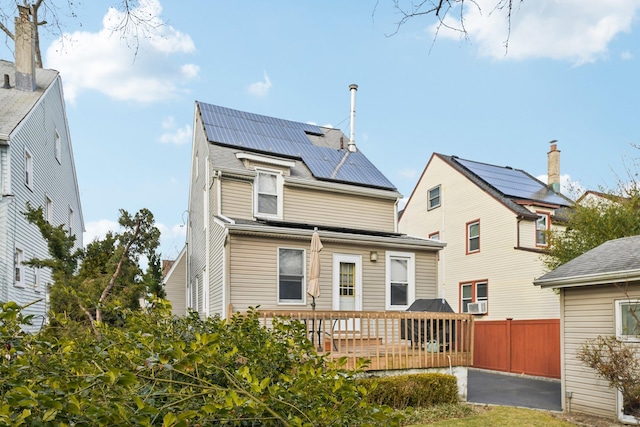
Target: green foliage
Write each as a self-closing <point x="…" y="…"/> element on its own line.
<point x="617" y="362"/>
<point x="159" y="370"/>
<point x="110" y="277"/>
<point x="592" y="224"/>
<point x="417" y="391"/>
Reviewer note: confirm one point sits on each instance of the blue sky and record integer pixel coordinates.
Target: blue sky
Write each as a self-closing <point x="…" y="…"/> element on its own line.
<point x="570" y="74"/>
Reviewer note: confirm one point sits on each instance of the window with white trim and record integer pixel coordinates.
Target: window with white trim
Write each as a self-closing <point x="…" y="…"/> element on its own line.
<point x="473" y="292"/>
<point x="58" y="147"/>
<point x="268" y="194"/>
<point x="48" y="209"/>
<point x="400" y="280"/>
<point x="433" y="198"/>
<point x="36" y="279"/>
<point x="473" y="236"/>
<point x="542" y="227"/>
<point x="70" y="219"/>
<point x="28" y="169"/>
<point x="291" y="276"/>
<point x="18" y="267"/>
<point x="628" y="320"/>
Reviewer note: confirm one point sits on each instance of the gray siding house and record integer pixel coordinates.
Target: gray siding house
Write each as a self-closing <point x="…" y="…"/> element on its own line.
<point x="36" y="168"/>
<point x="260" y="187"/>
<point x="598" y="291"/>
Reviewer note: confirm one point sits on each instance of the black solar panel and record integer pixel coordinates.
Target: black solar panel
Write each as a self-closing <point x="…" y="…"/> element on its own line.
<point x="277" y="136"/>
<point x="514" y="183"/>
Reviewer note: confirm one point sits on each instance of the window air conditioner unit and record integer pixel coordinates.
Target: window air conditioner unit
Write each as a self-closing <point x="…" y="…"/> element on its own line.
<point x="479" y="307"/>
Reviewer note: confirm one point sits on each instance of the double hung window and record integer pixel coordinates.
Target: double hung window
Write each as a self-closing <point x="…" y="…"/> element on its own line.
<point x="268" y="194"/>
<point x="473" y="236"/>
<point x="400" y="280"/>
<point x="291" y="277"/>
<point x="434" y="198"/>
<point x="542" y="228"/>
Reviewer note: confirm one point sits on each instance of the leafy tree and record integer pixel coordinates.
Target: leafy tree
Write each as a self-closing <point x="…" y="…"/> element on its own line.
<point x="614" y="215"/>
<point x="159" y="370"/>
<point x="109" y="276"/>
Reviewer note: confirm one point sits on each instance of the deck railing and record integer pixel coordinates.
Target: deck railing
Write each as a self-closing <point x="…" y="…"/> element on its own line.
<point x="389" y="340"/>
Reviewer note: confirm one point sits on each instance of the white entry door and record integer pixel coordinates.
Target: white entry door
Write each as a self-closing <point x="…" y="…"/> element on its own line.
<point x="347" y="286"/>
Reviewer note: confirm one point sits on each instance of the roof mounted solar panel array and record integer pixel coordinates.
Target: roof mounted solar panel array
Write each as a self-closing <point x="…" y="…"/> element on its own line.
<point x="284" y="137"/>
<point x="514" y="183"/>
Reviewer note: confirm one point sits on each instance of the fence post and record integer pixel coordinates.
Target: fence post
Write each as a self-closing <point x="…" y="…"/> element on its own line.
<point x="508" y="333"/>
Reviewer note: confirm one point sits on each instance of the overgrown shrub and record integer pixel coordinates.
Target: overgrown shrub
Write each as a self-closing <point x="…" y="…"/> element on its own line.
<point x="617" y="362"/>
<point x="417" y="390"/>
<point x="169" y="371"/>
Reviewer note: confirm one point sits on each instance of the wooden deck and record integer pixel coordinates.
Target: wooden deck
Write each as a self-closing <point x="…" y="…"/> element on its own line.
<point x="389" y="340"/>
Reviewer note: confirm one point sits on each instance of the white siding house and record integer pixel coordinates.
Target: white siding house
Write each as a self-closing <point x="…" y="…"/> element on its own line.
<point x="36" y="168"/>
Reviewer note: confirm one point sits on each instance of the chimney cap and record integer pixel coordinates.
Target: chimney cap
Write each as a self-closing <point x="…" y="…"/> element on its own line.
<point x="353" y="86"/>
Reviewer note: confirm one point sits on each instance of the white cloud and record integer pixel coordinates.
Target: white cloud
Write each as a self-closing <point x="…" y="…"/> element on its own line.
<point x="578" y="31"/>
<point x="260" y="88"/>
<point x="626" y="55"/>
<point x="570" y="188"/>
<point x="136" y="64"/>
<point x="98" y="229"/>
<point x="174" y="135"/>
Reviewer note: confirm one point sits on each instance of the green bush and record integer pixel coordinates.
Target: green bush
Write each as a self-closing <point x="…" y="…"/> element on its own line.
<point x="159" y="370"/>
<point x="416" y="390"/>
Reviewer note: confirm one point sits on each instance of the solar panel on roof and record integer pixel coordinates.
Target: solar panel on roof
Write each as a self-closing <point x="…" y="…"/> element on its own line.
<point x="272" y="135"/>
<point x="514" y="183"/>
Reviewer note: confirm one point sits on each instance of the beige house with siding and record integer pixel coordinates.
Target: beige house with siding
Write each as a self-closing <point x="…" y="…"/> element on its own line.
<point x="598" y="291"/>
<point x="494" y="221"/>
<point x="259" y="188"/>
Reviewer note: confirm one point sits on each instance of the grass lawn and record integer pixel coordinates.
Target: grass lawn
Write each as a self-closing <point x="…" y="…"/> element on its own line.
<point x="481" y="416"/>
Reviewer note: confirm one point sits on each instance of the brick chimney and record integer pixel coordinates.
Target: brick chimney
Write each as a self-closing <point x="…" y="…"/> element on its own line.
<point x="553" y="167"/>
<point x="24" y="44"/>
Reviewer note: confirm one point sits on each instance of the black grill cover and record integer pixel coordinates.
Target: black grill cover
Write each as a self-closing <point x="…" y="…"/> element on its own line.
<point x="419" y="332"/>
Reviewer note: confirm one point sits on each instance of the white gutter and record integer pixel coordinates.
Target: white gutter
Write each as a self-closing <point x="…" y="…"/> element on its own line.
<point x="590" y="279"/>
<point x="334" y="236"/>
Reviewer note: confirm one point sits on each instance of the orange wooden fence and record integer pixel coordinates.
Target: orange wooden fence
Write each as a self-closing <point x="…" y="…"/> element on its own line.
<point x="530" y="347"/>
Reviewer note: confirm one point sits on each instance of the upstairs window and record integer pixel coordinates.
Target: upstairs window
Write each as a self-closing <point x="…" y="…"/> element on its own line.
<point x="434" y="198"/>
<point x="70" y="219"/>
<point x="28" y="169"/>
<point x="48" y="209"/>
<point x="291" y="278"/>
<point x="435" y="236"/>
<point x="18" y="267"/>
<point x="58" y="147"/>
<point x="268" y="194"/>
<point x="473" y="236"/>
<point x="542" y="229"/>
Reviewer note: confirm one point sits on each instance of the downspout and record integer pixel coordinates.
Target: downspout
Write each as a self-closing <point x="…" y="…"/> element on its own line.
<point x="442" y="253"/>
<point x="225" y="288"/>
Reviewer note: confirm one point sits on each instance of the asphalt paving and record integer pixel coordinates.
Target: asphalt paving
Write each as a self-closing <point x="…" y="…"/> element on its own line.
<point x="496" y="388"/>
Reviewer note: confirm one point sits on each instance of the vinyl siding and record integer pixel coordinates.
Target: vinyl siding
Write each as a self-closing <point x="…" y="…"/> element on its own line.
<point x="338" y="209"/>
<point x="237" y="198"/>
<point x="175" y="286"/>
<point x="51" y="178"/>
<point x="253" y="273"/>
<point x="589" y="312"/>
<point x="196" y="233"/>
<point x="216" y="267"/>
<point x="509" y="272"/>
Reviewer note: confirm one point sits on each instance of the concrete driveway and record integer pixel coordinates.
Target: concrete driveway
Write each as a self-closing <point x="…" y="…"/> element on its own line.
<point x="513" y="390"/>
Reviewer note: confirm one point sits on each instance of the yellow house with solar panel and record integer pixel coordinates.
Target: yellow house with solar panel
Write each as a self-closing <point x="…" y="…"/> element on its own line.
<point x="495" y="222"/>
<point x="260" y="187"/>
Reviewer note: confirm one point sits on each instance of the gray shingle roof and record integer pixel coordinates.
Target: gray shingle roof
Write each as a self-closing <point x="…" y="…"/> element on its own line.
<point x="15" y="104"/>
<point x="614" y="260"/>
